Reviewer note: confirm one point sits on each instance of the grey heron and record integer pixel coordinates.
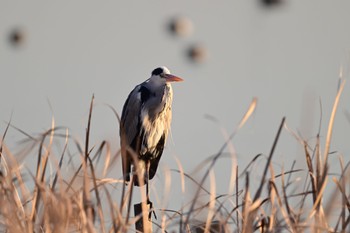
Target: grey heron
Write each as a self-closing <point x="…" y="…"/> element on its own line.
<point x="144" y="126"/>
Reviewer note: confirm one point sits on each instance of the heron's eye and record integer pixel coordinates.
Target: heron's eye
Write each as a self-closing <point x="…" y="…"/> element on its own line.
<point x="157" y="71"/>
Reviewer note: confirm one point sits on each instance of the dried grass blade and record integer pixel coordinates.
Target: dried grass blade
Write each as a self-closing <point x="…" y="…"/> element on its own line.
<point x="250" y="110"/>
<point x="61" y="161"/>
<point x="262" y="182"/>
<point x="212" y="199"/>
<point x="245" y="207"/>
<point x="286" y="202"/>
<point x="3" y="138"/>
<point x="88" y="208"/>
<point x="97" y="194"/>
<point x="311" y="173"/>
<point x="182" y="176"/>
<point x="283" y="211"/>
<point x="342" y="191"/>
<point x="316" y="207"/>
<point x="88" y="130"/>
<point x="331" y="121"/>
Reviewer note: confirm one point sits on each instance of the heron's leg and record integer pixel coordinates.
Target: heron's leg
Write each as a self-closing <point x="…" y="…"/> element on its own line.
<point x="147" y="181"/>
<point x="147" y="194"/>
<point x="130" y="199"/>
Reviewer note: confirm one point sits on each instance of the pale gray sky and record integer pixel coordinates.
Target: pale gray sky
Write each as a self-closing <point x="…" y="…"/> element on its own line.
<point x="288" y="57"/>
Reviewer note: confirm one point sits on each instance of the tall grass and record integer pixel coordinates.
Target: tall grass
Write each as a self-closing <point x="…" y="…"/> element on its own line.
<point x="83" y="198"/>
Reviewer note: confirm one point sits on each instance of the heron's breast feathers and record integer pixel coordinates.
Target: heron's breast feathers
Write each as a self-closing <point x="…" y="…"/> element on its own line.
<point x="153" y="130"/>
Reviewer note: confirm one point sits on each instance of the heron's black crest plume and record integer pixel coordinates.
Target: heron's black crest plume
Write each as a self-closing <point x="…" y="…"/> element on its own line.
<point x="157" y="71"/>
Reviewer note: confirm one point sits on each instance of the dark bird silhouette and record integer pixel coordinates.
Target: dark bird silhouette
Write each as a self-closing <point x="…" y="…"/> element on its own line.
<point x="145" y="124"/>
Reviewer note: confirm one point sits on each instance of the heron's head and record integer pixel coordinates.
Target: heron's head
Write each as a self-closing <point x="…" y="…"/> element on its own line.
<point x="162" y="75"/>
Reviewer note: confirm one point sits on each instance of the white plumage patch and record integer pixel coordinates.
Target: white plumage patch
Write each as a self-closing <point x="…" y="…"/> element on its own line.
<point x="153" y="131"/>
<point x="154" y="128"/>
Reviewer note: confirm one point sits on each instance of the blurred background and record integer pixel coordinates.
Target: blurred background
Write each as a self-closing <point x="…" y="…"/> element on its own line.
<point x="55" y="55"/>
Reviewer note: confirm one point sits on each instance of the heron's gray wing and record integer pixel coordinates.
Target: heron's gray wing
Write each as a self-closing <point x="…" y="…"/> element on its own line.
<point x="131" y="115"/>
<point x="130" y="127"/>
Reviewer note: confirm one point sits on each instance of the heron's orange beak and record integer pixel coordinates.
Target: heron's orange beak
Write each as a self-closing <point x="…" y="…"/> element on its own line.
<point x="172" y="78"/>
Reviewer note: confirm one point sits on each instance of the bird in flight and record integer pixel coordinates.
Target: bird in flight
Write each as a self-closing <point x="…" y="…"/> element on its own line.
<point x="144" y="126"/>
